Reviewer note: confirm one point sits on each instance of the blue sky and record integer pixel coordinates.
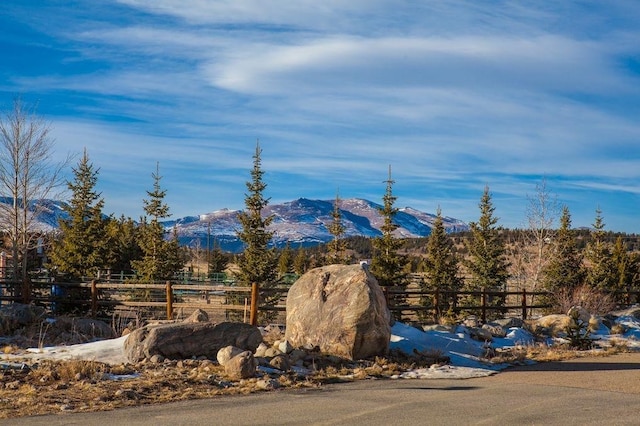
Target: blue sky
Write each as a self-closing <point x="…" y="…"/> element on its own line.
<point x="454" y="95"/>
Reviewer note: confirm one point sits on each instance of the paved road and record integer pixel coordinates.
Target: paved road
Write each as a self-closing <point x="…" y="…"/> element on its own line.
<point x="576" y="392"/>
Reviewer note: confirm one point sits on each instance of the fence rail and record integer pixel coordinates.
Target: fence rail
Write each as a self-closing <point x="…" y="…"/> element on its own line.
<point x="173" y="299"/>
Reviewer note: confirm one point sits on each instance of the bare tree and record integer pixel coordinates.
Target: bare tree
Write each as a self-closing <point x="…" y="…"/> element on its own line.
<point x="531" y="251"/>
<point x="28" y="176"/>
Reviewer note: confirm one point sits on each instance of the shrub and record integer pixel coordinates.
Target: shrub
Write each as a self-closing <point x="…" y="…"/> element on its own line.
<point x="594" y="301"/>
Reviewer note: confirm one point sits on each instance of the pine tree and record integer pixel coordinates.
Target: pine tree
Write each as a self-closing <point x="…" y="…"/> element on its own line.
<point x="285" y="261"/>
<point x="161" y="258"/>
<point x="258" y="263"/>
<point x="624" y="268"/>
<point x="563" y="272"/>
<point x="81" y="251"/>
<point x="601" y="272"/>
<point x="300" y="261"/>
<point x="387" y="265"/>
<point x="337" y="246"/>
<point x="487" y="262"/>
<point x="218" y="260"/>
<point x="441" y="265"/>
<point x="122" y="244"/>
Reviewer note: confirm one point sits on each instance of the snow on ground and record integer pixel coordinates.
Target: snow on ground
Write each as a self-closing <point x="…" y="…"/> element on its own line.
<point x="465" y="353"/>
<point x="110" y="351"/>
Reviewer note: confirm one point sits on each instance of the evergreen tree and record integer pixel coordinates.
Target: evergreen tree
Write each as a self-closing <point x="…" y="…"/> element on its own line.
<point x="487" y="262"/>
<point x="161" y="259"/>
<point x="387" y="265"/>
<point x="601" y="271"/>
<point x="81" y="251"/>
<point x="122" y="244"/>
<point x="258" y="263"/>
<point x="337" y="247"/>
<point x="284" y="260"/>
<point x="218" y="260"/>
<point x="300" y="261"/>
<point x="625" y="269"/>
<point x="564" y="271"/>
<point x="441" y="265"/>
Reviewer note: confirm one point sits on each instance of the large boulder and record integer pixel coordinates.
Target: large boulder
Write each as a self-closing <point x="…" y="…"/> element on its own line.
<point x="188" y="340"/>
<point x="339" y="309"/>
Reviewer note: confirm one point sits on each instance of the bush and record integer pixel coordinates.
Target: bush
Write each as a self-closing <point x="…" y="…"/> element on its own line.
<point x="592" y="300"/>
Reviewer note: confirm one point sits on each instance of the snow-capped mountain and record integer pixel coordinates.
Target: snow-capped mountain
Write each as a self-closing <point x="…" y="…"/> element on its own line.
<point x="48" y="213"/>
<point x="301" y="222"/>
<point x="305" y="222"/>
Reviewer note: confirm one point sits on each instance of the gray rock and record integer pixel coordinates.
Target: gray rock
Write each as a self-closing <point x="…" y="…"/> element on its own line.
<point x="189" y="340"/>
<point x="225" y="354"/>
<point x="341" y="310"/>
<point x="260" y="350"/>
<point x="471" y="321"/>
<point x="197" y="316"/>
<point x="495" y="329"/>
<point x="480" y="334"/>
<point x="297" y="354"/>
<point x="281" y="362"/>
<point x="508" y="323"/>
<point x="553" y="325"/>
<point x="18" y="315"/>
<point x="285" y="347"/>
<point x="241" y="366"/>
<point x="439" y="327"/>
<point x="271" y="352"/>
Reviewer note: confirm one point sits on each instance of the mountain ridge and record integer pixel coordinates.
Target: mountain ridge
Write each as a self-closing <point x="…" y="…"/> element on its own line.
<point x="301" y="222"/>
<point x="305" y="222"/>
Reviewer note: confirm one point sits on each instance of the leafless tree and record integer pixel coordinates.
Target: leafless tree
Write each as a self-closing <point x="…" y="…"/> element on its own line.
<point x="28" y="175"/>
<point x="531" y="249"/>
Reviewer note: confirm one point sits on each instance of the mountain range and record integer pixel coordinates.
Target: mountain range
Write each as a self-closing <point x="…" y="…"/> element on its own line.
<point x="302" y="222"/>
<point x="305" y="222"/>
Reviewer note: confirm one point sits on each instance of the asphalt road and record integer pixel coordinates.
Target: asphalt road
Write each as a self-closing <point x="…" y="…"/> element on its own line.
<point x="576" y="392"/>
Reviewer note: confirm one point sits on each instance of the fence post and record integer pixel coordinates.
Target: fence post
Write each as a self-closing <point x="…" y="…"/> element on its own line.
<point x="484" y="304"/>
<point x="524" y="304"/>
<point x="169" y="301"/>
<point x="436" y="303"/>
<point x="253" y="313"/>
<point x="94" y="299"/>
<point x="26" y="290"/>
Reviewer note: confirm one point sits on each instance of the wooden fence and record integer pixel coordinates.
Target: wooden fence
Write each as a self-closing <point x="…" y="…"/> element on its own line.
<point x="176" y="299"/>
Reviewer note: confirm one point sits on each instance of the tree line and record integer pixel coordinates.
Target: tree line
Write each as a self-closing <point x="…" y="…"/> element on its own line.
<point x="542" y="256"/>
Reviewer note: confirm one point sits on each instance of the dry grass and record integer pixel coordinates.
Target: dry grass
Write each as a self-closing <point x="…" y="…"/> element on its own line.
<point x="78" y="386"/>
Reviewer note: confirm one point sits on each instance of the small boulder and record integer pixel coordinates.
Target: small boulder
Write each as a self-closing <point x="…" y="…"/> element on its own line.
<point x="261" y="350"/>
<point x="197" y="316"/>
<point x="495" y="329"/>
<point x="481" y="334"/>
<point x="281" y="362"/>
<point x="553" y="325"/>
<point x="225" y="354"/>
<point x="241" y="366"/>
<point x="285" y="347"/>
<point x="18" y="315"/>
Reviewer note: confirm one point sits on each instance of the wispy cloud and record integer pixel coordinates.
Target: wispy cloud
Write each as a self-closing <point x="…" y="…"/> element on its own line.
<point x="453" y="94"/>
